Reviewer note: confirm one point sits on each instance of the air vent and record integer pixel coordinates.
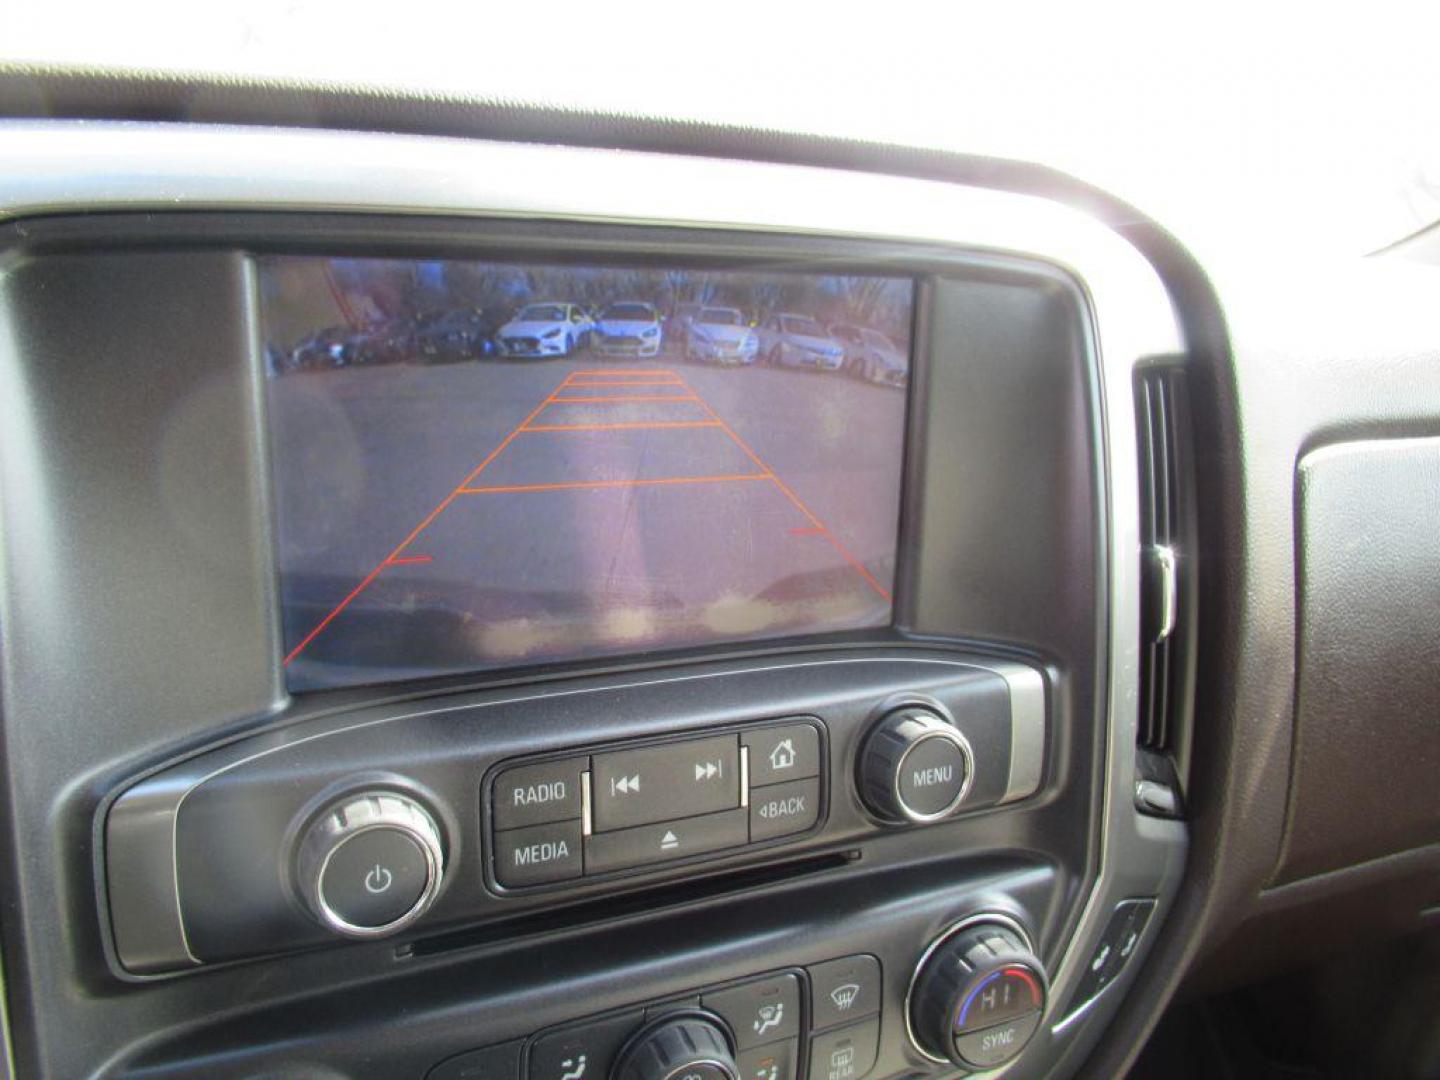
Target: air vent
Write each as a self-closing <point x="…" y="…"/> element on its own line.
<point x="1162" y="534"/>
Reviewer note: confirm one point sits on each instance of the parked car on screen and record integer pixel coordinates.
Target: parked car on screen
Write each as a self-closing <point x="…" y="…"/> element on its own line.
<point x="870" y="355"/>
<point x="721" y="334"/>
<point x="383" y="342"/>
<point x="322" y="349"/>
<point x="453" y="335"/>
<point x="628" y="328"/>
<point x="546" y="328"/>
<point x="790" y="340"/>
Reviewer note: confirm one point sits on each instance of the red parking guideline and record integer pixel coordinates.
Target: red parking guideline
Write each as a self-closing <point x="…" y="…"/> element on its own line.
<point x="468" y="487"/>
<point x="429" y="518"/>
<point x="628" y="425"/>
<point x="822" y="529"/>
<point x="578" y="485"/>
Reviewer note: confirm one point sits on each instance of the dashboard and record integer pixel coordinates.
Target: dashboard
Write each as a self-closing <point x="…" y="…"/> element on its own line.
<point x="512" y="610"/>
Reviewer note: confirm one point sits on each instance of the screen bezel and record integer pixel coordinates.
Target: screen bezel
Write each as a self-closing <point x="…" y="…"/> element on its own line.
<point x="931" y="264"/>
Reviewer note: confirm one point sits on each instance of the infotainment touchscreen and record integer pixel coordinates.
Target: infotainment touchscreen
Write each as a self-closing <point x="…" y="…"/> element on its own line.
<point x="480" y="465"/>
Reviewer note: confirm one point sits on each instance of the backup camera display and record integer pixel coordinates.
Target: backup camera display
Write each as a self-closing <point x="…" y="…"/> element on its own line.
<point x="480" y="465"/>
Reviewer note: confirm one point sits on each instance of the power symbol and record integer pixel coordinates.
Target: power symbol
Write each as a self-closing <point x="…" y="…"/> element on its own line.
<point x="379" y="879"/>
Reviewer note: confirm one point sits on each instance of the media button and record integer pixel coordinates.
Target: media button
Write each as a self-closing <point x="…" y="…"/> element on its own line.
<point x="663" y="783"/>
<point x="647" y="844"/>
<point x="538" y="854"/>
<point x="538" y="794"/>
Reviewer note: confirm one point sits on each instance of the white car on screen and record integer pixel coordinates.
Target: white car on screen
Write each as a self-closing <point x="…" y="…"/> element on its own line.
<point x="545" y="328"/>
<point x="871" y="355"/>
<point x="791" y="340"/>
<point x="721" y="334"/>
<point x="628" y="328"/>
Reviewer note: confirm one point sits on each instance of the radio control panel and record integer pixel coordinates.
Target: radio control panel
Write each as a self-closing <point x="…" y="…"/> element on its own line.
<point x="636" y="806"/>
<point x="432" y="816"/>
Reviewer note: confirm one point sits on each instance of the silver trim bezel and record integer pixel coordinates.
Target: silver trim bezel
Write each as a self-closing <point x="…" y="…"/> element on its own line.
<point x="1162" y="558"/>
<point x="1027" y="730"/>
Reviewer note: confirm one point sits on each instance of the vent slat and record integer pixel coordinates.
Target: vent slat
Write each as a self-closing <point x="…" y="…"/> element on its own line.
<point x="1159" y="527"/>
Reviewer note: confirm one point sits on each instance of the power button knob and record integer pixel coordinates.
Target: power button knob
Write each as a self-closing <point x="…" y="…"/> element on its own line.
<point x="370" y="864"/>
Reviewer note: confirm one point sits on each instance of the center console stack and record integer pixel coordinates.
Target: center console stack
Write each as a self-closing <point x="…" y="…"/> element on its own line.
<point x="650" y="651"/>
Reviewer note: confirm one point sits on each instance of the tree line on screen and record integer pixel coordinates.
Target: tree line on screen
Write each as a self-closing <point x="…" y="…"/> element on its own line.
<point x="398" y="288"/>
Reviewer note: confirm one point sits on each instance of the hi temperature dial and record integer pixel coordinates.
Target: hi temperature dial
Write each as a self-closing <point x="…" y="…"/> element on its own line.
<point x="978" y="995"/>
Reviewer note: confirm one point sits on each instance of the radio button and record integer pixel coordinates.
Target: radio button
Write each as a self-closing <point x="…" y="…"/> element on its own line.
<point x="664" y="783"/>
<point x="781" y="754"/>
<point x="665" y="842"/>
<point x="538" y="854"/>
<point x="782" y="809"/>
<point x="538" y="794"/>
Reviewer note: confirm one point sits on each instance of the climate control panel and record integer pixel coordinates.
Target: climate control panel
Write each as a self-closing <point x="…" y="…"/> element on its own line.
<point x="820" y="1022"/>
<point x="976" y="998"/>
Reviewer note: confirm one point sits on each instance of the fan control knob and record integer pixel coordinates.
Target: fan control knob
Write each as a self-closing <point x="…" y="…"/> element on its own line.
<point x="688" y="1046"/>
